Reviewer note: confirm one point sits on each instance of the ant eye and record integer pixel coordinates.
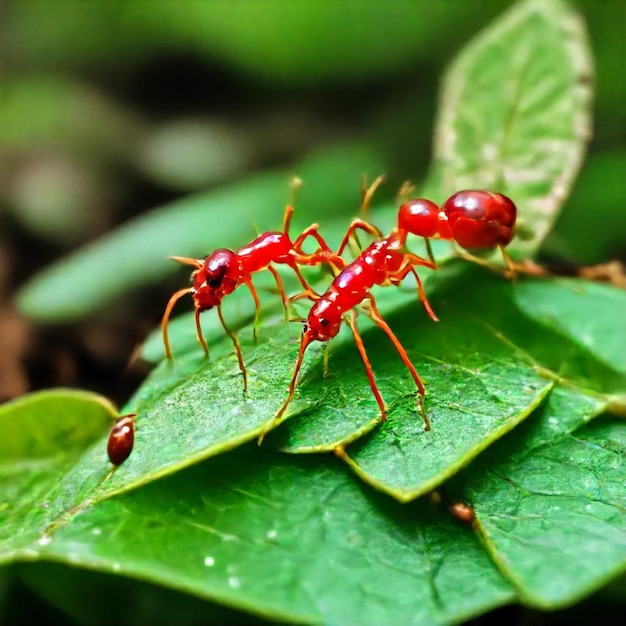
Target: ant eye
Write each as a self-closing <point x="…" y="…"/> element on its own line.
<point x="215" y="278"/>
<point x="214" y="282"/>
<point x="323" y="322"/>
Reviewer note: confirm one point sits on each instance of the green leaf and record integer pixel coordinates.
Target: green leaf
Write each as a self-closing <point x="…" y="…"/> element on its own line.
<point x="479" y="388"/>
<point x="192" y="409"/>
<point x="136" y="254"/>
<point x="43" y="436"/>
<point x="515" y="113"/>
<point x="550" y="501"/>
<point x="237" y="530"/>
<point x="586" y="313"/>
<point x="485" y="370"/>
<point x="495" y="354"/>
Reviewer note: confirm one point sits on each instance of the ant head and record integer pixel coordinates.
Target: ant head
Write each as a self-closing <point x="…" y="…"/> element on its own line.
<point x="481" y="219"/>
<point x="419" y="217"/>
<point x="216" y="278"/>
<point x="324" y="321"/>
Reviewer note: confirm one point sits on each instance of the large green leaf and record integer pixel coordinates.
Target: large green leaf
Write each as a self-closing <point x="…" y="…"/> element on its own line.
<point x="515" y="112"/>
<point x="485" y="370"/>
<point x="478" y="386"/>
<point x="498" y="344"/>
<point x="550" y="501"/>
<point x="43" y="436"/>
<point x="239" y="530"/>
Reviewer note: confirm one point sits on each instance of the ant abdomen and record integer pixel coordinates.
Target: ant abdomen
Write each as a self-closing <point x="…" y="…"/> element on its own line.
<point x="480" y="219"/>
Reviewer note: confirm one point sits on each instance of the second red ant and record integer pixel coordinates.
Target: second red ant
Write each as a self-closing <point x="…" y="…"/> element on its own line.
<point x="474" y="219"/>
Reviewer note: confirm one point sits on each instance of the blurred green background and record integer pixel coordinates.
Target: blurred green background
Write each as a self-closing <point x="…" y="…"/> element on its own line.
<point x="111" y="108"/>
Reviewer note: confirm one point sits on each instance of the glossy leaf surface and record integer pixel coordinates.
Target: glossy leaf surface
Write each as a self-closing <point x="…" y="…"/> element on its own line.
<point x="550" y="501"/>
<point x="515" y="113"/>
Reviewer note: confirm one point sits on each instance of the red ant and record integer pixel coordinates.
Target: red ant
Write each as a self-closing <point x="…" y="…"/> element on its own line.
<point x="224" y="270"/>
<point x="472" y="218"/>
<point x="121" y="439"/>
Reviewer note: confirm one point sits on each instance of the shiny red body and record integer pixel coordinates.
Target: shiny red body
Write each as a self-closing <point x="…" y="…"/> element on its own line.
<point x="121" y="439"/>
<point x="379" y="264"/>
<point x="475" y="219"/>
<point x="481" y="219"/>
<point x="224" y="270"/>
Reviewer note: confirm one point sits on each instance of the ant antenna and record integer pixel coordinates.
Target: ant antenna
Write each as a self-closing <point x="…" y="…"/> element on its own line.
<point x="405" y="192"/>
<point x="296" y="183"/>
<point x="294" y="186"/>
<point x="368" y="192"/>
<point x="510" y="264"/>
<point x="197" y="263"/>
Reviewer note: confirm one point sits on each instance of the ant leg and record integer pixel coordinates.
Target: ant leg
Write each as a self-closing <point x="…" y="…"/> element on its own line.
<point x="323" y="255"/>
<point x="310" y="231"/>
<point x="326" y="357"/>
<point x="281" y="289"/>
<point x="414" y="259"/>
<point x="407" y="267"/>
<point x="377" y="318"/>
<point x="304" y="342"/>
<point x="429" y="250"/>
<point x="311" y="295"/>
<point x="257" y="308"/>
<point x="512" y="268"/>
<point x="367" y="193"/>
<point x="422" y="295"/>
<point x="368" y="366"/>
<point x="405" y="192"/>
<point x="509" y="262"/>
<point x="468" y="256"/>
<point x="201" y="338"/>
<point x="166" y="316"/>
<point x="354" y="225"/>
<point x="308" y="290"/>
<point x="235" y="340"/>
